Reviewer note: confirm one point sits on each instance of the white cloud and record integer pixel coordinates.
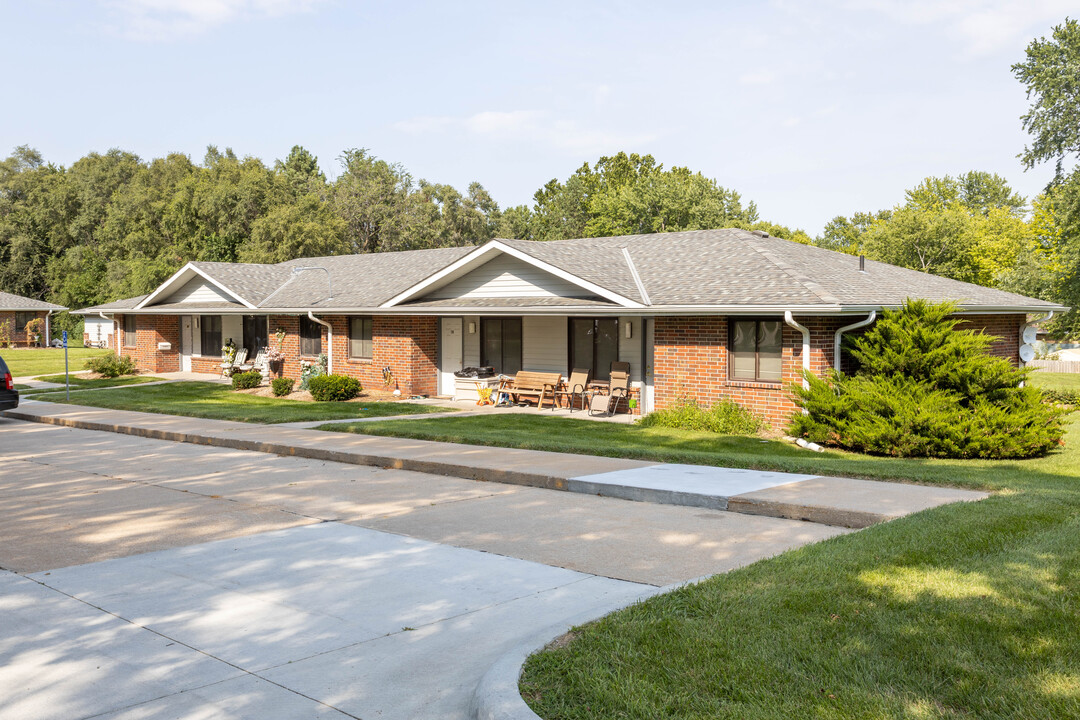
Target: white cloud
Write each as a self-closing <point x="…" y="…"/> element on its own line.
<point x="982" y="26"/>
<point x="169" y="19"/>
<point x="527" y="126"/>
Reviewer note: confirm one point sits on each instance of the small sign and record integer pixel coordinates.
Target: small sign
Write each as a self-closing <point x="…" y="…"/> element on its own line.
<point x="65" y="338"/>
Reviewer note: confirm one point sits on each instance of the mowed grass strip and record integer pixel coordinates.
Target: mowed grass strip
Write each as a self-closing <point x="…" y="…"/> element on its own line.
<point x="969" y="610"/>
<point x="82" y="383"/>
<point x="27" y="362"/>
<point x="220" y="402"/>
<point x="1056" y="381"/>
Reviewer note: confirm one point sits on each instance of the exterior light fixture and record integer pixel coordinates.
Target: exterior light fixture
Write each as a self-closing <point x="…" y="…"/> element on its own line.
<point x="629" y="329"/>
<point x="472" y="328"/>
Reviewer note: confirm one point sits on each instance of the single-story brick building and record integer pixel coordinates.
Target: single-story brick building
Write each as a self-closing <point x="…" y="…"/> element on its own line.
<point x="704" y="314"/>
<point x="16" y="311"/>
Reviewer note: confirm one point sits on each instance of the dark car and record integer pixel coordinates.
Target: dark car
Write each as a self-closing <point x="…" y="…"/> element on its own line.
<point x="9" y="396"/>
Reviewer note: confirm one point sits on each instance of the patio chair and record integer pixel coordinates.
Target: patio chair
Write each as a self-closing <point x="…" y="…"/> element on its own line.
<point x="618" y="390"/>
<point x="259" y="363"/>
<point x="228" y="367"/>
<point x="575" y="388"/>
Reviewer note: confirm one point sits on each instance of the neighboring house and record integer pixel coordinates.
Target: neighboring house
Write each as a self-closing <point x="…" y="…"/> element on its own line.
<point x="704" y="314"/>
<point x="97" y="331"/>
<point x="16" y="311"/>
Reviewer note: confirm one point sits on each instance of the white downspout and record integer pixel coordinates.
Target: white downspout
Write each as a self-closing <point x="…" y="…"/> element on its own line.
<point x="48" y="335"/>
<point x="839" y="333"/>
<point x="112" y="323"/>
<point x="805" y="345"/>
<point x="329" y="341"/>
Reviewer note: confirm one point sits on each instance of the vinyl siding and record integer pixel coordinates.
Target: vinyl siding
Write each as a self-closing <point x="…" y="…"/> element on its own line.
<point x="470" y="355"/>
<point x="507" y="277"/>
<point x="232" y="326"/>
<point x="630" y="349"/>
<point x="544" y="344"/>
<point x="198" y="290"/>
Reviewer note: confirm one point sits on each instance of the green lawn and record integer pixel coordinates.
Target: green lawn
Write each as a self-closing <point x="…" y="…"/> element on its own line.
<point x="42" y="361"/>
<point x="81" y="383"/>
<point x="970" y="610"/>
<point x="1056" y="381"/>
<point x="220" y="402"/>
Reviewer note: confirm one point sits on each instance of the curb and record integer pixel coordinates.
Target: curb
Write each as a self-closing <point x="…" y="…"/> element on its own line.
<point x="497" y="696"/>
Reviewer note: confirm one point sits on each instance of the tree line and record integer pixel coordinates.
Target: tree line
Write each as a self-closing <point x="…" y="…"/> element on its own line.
<point x="113" y="225"/>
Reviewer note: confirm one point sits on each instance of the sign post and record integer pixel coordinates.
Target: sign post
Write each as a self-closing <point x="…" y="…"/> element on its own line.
<point x="67" y="378"/>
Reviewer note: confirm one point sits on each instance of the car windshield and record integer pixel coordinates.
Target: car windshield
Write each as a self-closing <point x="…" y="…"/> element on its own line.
<point x="3" y="367"/>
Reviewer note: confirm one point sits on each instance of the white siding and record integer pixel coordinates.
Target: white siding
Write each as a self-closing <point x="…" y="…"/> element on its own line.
<point x="471" y="342"/>
<point x="196" y="335"/>
<point x="543" y="344"/>
<point x="98" y="328"/>
<point x="198" y="290"/>
<point x="507" y="277"/>
<point x="630" y="348"/>
<point x="232" y="326"/>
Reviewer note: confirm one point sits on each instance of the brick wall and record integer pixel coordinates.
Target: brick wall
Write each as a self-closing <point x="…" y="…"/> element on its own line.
<point x="149" y="331"/>
<point x="18" y="334"/>
<point x="1006" y="328"/>
<point x="691" y="361"/>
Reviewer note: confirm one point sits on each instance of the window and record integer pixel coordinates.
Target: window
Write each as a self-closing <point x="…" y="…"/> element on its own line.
<point x="360" y="338"/>
<point x="500" y="344"/>
<point x="210" y="335"/>
<point x="256" y="335"/>
<point x="21" y="319"/>
<point x="594" y="344"/>
<point x="756" y="350"/>
<point x="130" y="338"/>
<point x="310" y="337"/>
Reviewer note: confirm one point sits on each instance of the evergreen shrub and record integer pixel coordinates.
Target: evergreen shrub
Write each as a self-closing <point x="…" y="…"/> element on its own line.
<point x="926" y="389"/>
<point x="1064" y="397"/>
<point x="281" y="386"/>
<point x="246" y="380"/>
<point x="111" y="365"/>
<point x="334" y="388"/>
<point x="724" y="418"/>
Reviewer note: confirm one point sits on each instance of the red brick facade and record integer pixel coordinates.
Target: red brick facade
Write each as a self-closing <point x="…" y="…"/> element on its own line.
<point x="15" y="334"/>
<point x="690" y="355"/>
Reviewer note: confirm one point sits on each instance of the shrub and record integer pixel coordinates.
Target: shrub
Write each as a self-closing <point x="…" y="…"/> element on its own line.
<point x="1063" y="397"/>
<point x="334" y="388"/>
<point x="111" y="365"/>
<point x="282" y="386"/>
<point x="725" y="418"/>
<point x="926" y="389"/>
<point x="246" y="380"/>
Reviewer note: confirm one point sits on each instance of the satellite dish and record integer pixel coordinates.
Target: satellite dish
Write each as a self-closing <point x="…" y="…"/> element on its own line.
<point x="1029" y="335"/>
<point x="1027" y="353"/>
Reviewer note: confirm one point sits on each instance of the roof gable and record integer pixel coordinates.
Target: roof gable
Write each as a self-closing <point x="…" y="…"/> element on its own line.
<point x="505" y="269"/>
<point x="192" y="285"/>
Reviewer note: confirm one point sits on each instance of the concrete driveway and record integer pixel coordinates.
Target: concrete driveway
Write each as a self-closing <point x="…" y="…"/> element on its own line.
<point x="150" y="579"/>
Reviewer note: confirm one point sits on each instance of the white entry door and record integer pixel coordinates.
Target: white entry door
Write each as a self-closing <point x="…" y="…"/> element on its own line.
<point x="450" y="354"/>
<point x="185" y="343"/>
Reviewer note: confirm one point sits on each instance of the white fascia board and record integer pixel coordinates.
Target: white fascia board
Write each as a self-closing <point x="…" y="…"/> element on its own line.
<point x="469" y="262"/>
<point x="175" y="280"/>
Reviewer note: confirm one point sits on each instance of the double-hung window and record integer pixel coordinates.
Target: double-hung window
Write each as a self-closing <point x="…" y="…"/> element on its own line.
<point x="594" y="344"/>
<point x="756" y="350"/>
<point x="500" y="344"/>
<point x="209" y="335"/>
<point x="360" y="338"/>
<point x="21" y="320"/>
<point x="310" y="337"/>
<point x="130" y="336"/>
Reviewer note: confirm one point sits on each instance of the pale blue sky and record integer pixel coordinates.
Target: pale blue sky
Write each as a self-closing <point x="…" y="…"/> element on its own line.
<point x="811" y="109"/>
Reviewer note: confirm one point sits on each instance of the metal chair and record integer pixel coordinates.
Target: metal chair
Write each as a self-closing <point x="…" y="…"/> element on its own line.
<point x="575" y="388"/>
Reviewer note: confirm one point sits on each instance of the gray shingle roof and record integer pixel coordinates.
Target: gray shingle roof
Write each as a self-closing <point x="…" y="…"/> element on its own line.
<point x="18" y="302"/>
<point x="114" y="306"/>
<point x="725" y="268"/>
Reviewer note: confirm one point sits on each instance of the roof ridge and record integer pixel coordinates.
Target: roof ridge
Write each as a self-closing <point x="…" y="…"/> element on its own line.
<point x="790" y="270"/>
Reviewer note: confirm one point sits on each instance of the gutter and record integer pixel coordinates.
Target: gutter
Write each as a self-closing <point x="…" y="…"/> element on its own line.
<point x="841" y="331"/>
<point x="329" y="341"/>
<point x="805" y="346"/>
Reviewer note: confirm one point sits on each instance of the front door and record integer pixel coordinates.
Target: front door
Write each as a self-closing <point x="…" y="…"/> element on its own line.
<point x="450" y="354"/>
<point x="185" y="343"/>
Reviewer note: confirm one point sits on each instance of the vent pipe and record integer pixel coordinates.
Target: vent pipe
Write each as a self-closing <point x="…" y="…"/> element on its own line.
<point x="862" y="263"/>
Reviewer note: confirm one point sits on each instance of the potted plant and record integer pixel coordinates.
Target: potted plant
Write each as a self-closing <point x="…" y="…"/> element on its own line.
<point x="275" y="356"/>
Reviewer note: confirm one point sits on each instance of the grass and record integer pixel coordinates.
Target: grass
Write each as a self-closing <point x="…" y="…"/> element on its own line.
<point x="968" y="610"/>
<point x="23" y="362"/>
<point x="1056" y="381"/>
<point x="220" y="402"/>
<point x="81" y="383"/>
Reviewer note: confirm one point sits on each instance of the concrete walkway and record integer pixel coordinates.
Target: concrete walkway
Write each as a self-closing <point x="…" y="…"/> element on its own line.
<point x="835" y="501"/>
